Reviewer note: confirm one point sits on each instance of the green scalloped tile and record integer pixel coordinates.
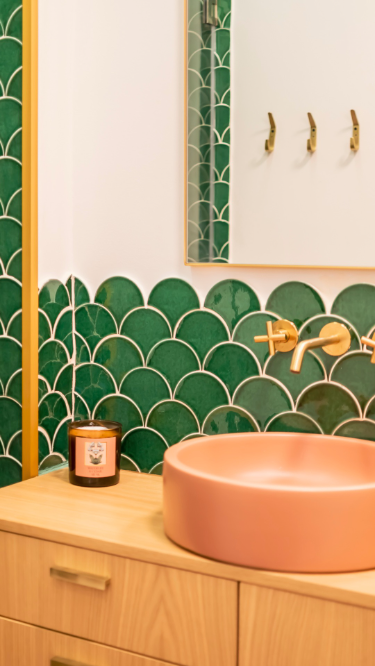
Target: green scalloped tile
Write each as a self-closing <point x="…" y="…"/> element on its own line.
<point x="10" y="358"/>
<point x="51" y="461"/>
<point x="52" y="410"/>
<point x="15" y="447"/>
<point x="312" y="328"/>
<point x="10" y="238"/>
<point x="146" y="327"/>
<point x="328" y="404"/>
<point x="157" y="469"/>
<point x="232" y="299"/>
<point x="64" y="383"/>
<point x="14" y="147"/>
<point x="14" y="27"/>
<point x="118" y="355"/>
<point x="119" y="295"/>
<point x="10" y="471"/>
<point x="14" y="267"/>
<point x="293" y="422"/>
<point x="52" y="357"/>
<point x="15" y="86"/>
<point x="145" y="446"/>
<point x="14" y="208"/>
<point x="312" y="371"/>
<point x="173" y="359"/>
<point x="128" y="465"/>
<point x="81" y="294"/>
<point x="229" y="419"/>
<point x="42" y="446"/>
<point x="7" y="7"/>
<point x="10" y="58"/>
<point x="93" y="382"/>
<point x="15" y="385"/>
<point x="173" y="421"/>
<point x="202" y="392"/>
<point x="295" y="301"/>
<point x="357" y="429"/>
<point x="121" y="409"/>
<point x="357" y="304"/>
<point x="63" y="330"/>
<point x="45" y="331"/>
<point x="232" y="363"/>
<point x="83" y="354"/>
<point x="250" y="326"/>
<point x="10" y="298"/>
<point x="194" y="435"/>
<point x="263" y="398"/>
<point x="202" y="330"/>
<point x="81" y="409"/>
<point x="60" y="442"/>
<point x="145" y="387"/>
<point x="357" y="373"/>
<point x="94" y="323"/>
<point x="10" y="418"/>
<point x="53" y="298"/>
<point x="174" y="298"/>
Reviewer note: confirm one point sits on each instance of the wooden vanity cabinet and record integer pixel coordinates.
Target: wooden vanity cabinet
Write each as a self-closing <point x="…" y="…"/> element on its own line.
<point x="279" y="628"/>
<point x="89" y="578"/>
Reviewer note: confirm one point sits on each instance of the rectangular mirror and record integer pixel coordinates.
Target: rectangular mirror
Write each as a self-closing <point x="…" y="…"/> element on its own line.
<point x="289" y="206"/>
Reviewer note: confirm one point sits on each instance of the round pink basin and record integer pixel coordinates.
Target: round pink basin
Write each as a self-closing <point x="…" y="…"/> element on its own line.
<point x="287" y="502"/>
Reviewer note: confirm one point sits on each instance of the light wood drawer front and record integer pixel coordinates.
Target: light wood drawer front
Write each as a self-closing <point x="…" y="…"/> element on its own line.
<point x="182" y="617"/>
<point x="285" y="629"/>
<point x="23" y="645"/>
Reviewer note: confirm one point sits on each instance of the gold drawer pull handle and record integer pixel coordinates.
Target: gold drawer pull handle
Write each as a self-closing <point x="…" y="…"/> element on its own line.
<point x="60" y="661"/>
<point x="79" y="578"/>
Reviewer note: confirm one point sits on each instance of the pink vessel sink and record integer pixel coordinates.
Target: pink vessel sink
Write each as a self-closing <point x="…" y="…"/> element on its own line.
<point x="287" y="502"/>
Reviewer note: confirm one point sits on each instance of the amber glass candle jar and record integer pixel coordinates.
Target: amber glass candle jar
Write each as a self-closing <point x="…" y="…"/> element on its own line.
<point x="94" y="453"/>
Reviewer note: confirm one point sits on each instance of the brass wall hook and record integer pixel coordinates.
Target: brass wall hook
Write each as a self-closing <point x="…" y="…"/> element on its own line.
<point x="270" y="142"/>
<point x="311" y="142"/>
<point x="354" y="141"/>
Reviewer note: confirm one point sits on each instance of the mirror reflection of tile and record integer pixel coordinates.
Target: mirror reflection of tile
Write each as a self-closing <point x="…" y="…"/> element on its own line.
<point x="208" y="135"/>
<point x="10" y="241"/>
<point x="173" y="368"/>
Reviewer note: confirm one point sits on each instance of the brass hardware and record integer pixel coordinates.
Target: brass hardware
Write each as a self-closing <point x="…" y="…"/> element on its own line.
<point x="369" y="343"/>
<point x="334" y="339"/>
<point x="354" y="141"/>
<point x="311" y="142"/>
<point x="270" y="142"/>
<point x="210" y="16"/>
<point x="60" y="661"/>
<point x="80" y="578"/>
<point x="282" y="336"/>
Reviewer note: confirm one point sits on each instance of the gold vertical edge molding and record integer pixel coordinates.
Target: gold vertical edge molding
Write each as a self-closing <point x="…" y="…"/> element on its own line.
<point x="30" y="240"/>
<point x="185" y="129"/>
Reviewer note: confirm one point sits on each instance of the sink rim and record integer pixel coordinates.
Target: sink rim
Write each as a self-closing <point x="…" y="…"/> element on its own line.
<point x="171" y="457"/>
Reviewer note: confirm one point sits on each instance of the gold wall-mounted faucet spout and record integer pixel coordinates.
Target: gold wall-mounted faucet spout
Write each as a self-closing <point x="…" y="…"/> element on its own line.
<point x="369" y="342"/>
<point x="334" y="339"/>
<point x="270" y="142"/>
<point x="354" y="140"/>
<point x="282" y="335"/>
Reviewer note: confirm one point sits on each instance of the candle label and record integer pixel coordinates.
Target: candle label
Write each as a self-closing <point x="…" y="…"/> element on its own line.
<point x="95" y="458"/>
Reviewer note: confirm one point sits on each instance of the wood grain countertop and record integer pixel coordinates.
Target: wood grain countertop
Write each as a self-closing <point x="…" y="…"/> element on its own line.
<point x="127" y="520"/>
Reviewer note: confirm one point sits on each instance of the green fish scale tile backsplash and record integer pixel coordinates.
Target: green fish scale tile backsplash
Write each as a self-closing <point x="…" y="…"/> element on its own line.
<point x="170" y="368"/>
<point x="10" y="242"/>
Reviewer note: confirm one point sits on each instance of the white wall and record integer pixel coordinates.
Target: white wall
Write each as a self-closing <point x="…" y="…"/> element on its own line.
<point x="292" y="207"/>
<point x="111" y="150"/>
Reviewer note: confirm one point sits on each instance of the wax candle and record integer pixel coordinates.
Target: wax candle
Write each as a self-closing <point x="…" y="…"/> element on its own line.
<point x="94" y="453"/>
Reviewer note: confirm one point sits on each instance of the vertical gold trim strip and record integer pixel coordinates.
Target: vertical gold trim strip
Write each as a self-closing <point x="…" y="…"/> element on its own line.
<point x="185" y="128"/>
<point x="30" y="240"/>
